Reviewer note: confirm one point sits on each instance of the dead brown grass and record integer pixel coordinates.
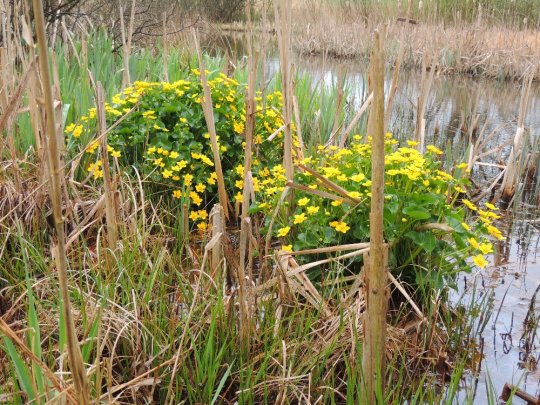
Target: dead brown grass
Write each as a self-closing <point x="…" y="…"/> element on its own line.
<point x="473" y="48"/>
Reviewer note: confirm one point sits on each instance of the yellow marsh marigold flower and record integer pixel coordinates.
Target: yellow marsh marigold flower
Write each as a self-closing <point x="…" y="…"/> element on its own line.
<point x="340" y="226"/>
<point x="181" y="164"/>
<point x="486" y="248"/>
<point x="312" y="210"/>
<point x="413" y="143"/>
<point x="493" y="231"/>
<point x="239" y="197"/>
<point x="469" y="204"/>
<point x="355" y="194"/>
<point x="480" y="261"/>
<point x="197" y="200"/>
<point x="465" y="226"/>
<point x="149" y="114"/>
<point x="283" y="231"/>
<point x="202" y="226"/>
<point x="238" y="127"/>
<point x="188" y="178"/>
<point x="92" y="147"/>
<point x="474" y="243"/>
<point x="298" y="219"/>
<point x="77" y="131"/>
<point x="69" y="128"/>
<point x="286" y="248"/>
<point x="151" y="150"/>
<point x="200" y="187"/>
<point x="194" y="215"/>
<point x="174" y="154"/>
<point x="462" y="166"/>
<point x="434" y="149"/>
<point x="166" y="174"/>
<point x="358" y="177"/>
<point x="337" y="203"/>
<point x="303" y="201"/>
<point x="491" y="206"/>
<point x="177" y="194"/>
<point x="116" y="153"/>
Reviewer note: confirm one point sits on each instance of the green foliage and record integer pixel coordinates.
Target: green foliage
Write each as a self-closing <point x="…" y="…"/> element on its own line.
<point x="164" y="136"/>
<point x="426" y="220"/>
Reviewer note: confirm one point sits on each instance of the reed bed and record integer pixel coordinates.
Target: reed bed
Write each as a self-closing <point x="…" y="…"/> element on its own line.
<point x="464" y="47"/>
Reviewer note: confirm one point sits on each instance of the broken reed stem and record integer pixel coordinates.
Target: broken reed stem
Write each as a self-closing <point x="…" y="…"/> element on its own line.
<point x="208" y="111"/>
<point x="245" y="223"/>
<point x="55" y="177"/>
<point x="283" y="20"/>
<point x="427" y="80"/>
<point x="394" y="85"/>
<point x="376" y="264"/>
<point x="218" y="228"/>
<point x="511" y="175"/>
<point x="126" y="42"/>
<point x="110" y="191"/>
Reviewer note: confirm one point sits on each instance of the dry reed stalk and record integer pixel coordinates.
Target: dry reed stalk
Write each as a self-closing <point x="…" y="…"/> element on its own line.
<point x="208" y="111"/>
<point x="355" y="120"/>
<point x="511" y="175"/>
<point x="331" y="185"/>
<point x="283" y="18"/>
<point x="126" y="42"/>
<point x="339" y="98"/>
<point x="320" y="193"/>
<point x="428" y="72"/>
<point x="264" y="40"/>
<point x="55" y="180"/>
<point x="245" y="224"/>
<point x="218" y="228"/>
<point x="373" y="362"/>
<point x="108" y="183"/>
<point x="394" y="85"/>
<point x="165" y="49"/>
<point x="298" y="123"/>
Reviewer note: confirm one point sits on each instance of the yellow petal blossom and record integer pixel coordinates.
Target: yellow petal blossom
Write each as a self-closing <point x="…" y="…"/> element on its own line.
<point x="474" y="243"/>
<point x="434" y="149"/>
<point x="480" y="261"/>
<point x="312" y="210"/>
<point x="469" y="204"/>
<point x="486" y="248"/>
<point x="303" y="201"/>
<point x="493" y="231"/>
<point x="77" y="131"/>
<point x="298" y="219"/>
<point x="340" y="226"/>
<point x="283" y="231"/>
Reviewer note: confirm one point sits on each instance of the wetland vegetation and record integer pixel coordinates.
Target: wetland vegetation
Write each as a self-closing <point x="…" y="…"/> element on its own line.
<point x="191" y="226"/>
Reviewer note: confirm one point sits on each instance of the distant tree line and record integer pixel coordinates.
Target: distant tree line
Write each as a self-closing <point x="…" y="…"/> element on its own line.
<point x="149" y="14"/>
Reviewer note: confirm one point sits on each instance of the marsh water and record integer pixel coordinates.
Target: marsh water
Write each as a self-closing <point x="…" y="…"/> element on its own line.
<point x="459" y="107"/>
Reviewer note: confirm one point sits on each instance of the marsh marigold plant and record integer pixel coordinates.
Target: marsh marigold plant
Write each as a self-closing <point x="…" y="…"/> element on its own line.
<point x="430" y="226"/>
<point x="159" y="129"/>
